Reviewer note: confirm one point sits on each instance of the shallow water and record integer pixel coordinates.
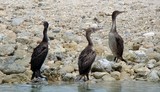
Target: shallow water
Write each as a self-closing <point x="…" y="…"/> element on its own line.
<point x="125" y="86"/>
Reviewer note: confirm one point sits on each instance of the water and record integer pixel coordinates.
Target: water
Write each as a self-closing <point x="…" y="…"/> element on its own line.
<point x="125" y="86"/>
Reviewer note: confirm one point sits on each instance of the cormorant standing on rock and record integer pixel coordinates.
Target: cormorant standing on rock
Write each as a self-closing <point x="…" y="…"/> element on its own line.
<point x="87" y="56"/>
<point x="39" y="54"/>
<point x="115" y="40"/>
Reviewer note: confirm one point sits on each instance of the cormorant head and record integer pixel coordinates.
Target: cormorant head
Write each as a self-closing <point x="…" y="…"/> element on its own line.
<point x="91" y="30"/>
<point x="45" y="24"/>
<point x="115" y="13"/>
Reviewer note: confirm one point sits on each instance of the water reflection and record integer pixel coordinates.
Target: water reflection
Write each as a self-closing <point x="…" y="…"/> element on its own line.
<point x="125" y="86"/>
<point x="36" y="88"/>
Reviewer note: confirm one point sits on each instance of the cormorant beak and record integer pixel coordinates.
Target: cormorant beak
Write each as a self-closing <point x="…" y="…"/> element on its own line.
<point x="41" y="23"/>
<point x="98" y="28"/>
<point x="122" y="11"/>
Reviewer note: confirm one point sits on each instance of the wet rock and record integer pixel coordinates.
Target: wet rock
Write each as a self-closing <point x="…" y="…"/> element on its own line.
<point x="116" y="75"/>
<point x="7" y="49"/>
<point x="99" y="75"/>
<point x="151" y="63"/>
<point x="67" y="69"/>
<point x="16" y="78"/>
<point x="12" y="68"/>
<point x="17" y="21"/>
<point x="153" y="76"/>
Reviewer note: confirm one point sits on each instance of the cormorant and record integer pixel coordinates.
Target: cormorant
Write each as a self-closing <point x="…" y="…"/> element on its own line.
<point x="87" y="56"/>
<point x="115" y="40"/>
<point x="39" y="54"/>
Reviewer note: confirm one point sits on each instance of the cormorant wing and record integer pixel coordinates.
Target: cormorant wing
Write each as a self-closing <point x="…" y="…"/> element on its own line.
<point x="86" y="58"/>
<point x="38" y="51"/>
<point x="120" y="46"/>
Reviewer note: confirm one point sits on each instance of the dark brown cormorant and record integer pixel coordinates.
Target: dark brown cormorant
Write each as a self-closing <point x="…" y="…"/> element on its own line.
<point x="39" y="54"/>
<point x="115" y="40"/>
<point x="87" y="56"/>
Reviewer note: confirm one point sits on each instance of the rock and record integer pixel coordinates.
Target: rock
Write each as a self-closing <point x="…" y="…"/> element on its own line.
<point x="137" y="56"/>
<point x="16" y="78"/>
<point x="108" y="77"/>
<point x="154" y="55"/>
<point x="23" y="37"/>
<point x="7" y="49"/>
<point x="12" y="68"/>
<point x="17" y="21"/>
<point x="69" y="77"/>
<point x="99" y="75"/>
<point x="117" y="67"/>
<point x="149" y="34"/>
<point x="7" y="38"/>
<point x="141" y="70"/>
<point x="153" y="76"/>
<point x="116" y="75"/>
<point x="52" y="74"/>
<point x="1" y="76"/>
<point x="67" y="69"/>
<point x="102" y="66"/>
<point x="151" y="63"/>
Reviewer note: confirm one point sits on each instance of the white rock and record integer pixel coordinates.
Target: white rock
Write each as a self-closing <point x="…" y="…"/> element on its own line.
<point x="149" y="34"/>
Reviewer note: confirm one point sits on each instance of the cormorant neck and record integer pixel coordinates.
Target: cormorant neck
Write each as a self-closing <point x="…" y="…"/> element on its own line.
<point x="90" y="43"/>
<point x="45" y="37"/>
<point x="113" y="29"/>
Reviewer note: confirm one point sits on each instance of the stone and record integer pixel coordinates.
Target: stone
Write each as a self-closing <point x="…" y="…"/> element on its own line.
<point x="108" y="77"/>
<point x="69" y="77"/>
<point x="23" y="37"/>
<point x="137" y="56"/>
<point x="153" y="76"/>
<point x="154" y="55"/>
<point x="17" y="21"/>
<point x="149" y="34"/>
<point x="99" y="75"/>
<point x="15" y="78"/>
<point x="102" y="65"/>
<point x="151" y="63"/>
<point x="116" y="75"/>
<point x="1" y="76"/>
<point x="7" y="49"/>
<point x="52" y="74"/>
<point x="7" y="38"/>
<point x="67" y="69"/>
<point x="12" y="68"/>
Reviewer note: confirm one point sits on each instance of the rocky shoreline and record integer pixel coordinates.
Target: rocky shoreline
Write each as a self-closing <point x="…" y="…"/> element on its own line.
<point x="20" y="33"/>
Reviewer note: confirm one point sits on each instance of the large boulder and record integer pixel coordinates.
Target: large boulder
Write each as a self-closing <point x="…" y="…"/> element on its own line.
<point x="7" y="49"/>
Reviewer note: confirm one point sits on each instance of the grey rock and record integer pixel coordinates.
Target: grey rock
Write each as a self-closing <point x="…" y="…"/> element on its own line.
<point x="102" y="66"/>
<point x="108" y="77"/>
<point x="7" y="49"/>
<point x="151" y="63"/>
<point x="137" y="56"/>
<point x="153" y="76"/>
<point x="12" y="68"/>
<point x="17" y="21"/>
<point x="23" y="37"/>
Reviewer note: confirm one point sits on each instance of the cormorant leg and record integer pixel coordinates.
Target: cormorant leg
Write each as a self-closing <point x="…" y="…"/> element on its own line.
<point x="114" y="58"/>
<point x="87" y="76"/>
<point x="33" y="75"/>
